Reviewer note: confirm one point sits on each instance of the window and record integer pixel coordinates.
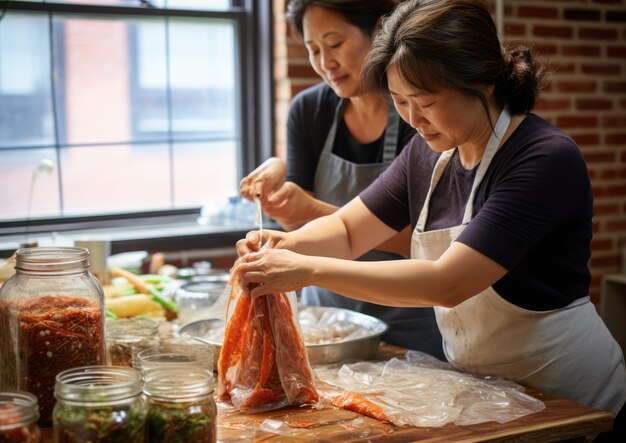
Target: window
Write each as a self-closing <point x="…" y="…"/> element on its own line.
<point x="114" y="107"/>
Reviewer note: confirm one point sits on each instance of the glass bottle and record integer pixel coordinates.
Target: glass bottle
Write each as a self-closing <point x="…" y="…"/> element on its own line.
<point x="52" y="315"/>
<point x="97" y="404"/>
<point x="180" y="405"/>
<point x="19" y="413"/>
<point x="125" y="337"/>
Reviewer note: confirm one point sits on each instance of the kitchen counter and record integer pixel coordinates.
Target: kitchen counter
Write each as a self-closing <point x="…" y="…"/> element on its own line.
<point x="561" y="419"/>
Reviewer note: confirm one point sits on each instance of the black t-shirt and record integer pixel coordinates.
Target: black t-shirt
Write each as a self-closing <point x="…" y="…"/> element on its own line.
<point x="532" y="212"/>
<point x="310" y="117"/>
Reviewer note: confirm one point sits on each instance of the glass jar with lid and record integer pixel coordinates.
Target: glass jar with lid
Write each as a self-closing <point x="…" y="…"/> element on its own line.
<point x="51" y="319"/>
<point x="127" y="336"/>
<point x="180" y="405"/>
<point x="19" y="413"/>
<point x="97" y="404"/>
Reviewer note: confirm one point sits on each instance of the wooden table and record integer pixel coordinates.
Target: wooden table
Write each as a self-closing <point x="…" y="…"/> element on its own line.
<point x="561" y="420"/>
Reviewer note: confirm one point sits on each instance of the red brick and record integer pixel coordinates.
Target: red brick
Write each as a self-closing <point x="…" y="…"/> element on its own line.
<point x="597" y="34"/>
<point x="545" y="48"/>
<point x="577" y="121"/>
<point x="614" y="121"/>
<point x="616" y="139"/>
<point x="605" y="208"/>
<point x="297" y="50"/>
<point x="616" y="51"/>
<point x="584" y="50"/>
<point x="594" y="104"/>
<point x="553" y="31"/>
<point x="300" y="71"/>
<point x="574" y="86"/>
<point x="611" y="191"/>
<point x="514" y="29"/>
<point x="616" y="16"/>
<point x="599" y="157"/>
<point x="537" y="12"/>
<point x="615" y="225"/>
<point x="560" y="104"/>
<point x="601" y="245"/>
<point x="595" y="69"/>
<point x="615" y="87"/>
<point x="607" y="261"/>
<point x="564" y="68"/>
<point x="581" y="14"/>
<point x="586" y="139"/>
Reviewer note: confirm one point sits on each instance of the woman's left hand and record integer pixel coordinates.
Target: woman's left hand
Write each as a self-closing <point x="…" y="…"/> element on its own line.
<point x="273" y="271"/>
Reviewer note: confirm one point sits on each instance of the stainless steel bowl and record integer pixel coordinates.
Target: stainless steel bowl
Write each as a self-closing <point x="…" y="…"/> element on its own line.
<point x="363" y="348"/>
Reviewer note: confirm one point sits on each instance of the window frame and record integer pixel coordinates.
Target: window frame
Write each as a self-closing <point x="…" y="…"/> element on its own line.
<point x="253" y="20"/>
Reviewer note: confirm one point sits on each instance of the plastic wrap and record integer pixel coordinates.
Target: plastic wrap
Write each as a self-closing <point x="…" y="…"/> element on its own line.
<point x="263" y="363"/>
<point x="419" y="390"/>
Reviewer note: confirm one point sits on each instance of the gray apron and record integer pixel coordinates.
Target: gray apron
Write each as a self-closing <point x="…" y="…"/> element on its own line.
<point x="337" y="181"/>
<point x="568" y="351"/>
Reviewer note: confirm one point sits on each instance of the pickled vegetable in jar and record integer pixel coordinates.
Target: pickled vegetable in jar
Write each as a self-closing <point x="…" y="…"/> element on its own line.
<point x="99" y="404"/>
<point x="19" y="413"/>
<point x="125" y="337"/>
<point x="180" y="406"/>
<point x="51" y="319"/>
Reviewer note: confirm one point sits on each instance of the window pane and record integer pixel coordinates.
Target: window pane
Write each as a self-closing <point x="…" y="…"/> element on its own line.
<point x="202" y="79"/>
<point x="95" y="76"/>
<point x="208" y="5"/>
<point x="29" y="175"/>
<point x="203" y="171"/>
<point x="123" y="178"/>
<point x="25" y="94"/>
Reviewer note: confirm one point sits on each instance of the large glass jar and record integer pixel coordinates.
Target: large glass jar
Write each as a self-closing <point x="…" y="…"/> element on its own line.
<point x="99" y="404"/>
<point x="18" y="418"/>
<point x="127" y="336"/>
<point x="180" y="405"/>
<point x="51" y="319"/>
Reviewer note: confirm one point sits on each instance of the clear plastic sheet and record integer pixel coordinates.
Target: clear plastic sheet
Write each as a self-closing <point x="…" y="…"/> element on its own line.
<point x="263" y="363"/>
<point x="419" y="390"/>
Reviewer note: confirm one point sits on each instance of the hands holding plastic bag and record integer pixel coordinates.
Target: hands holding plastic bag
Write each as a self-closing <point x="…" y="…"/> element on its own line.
<point x="270" y="268"/>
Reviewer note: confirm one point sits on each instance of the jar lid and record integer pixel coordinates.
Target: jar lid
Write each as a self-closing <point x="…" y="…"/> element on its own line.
<point x="97" y="384"/>
<point x="17" y="408"/>
<point x="179" y="383"/>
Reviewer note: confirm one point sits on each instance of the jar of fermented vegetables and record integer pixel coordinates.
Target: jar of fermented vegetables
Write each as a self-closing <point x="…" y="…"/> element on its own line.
<point x="98" y="404"/>
<point x="180" y="405"/>
<point x="18" y="418"/>
<point x="127" y="336"/>
<point x="51" y="319"/>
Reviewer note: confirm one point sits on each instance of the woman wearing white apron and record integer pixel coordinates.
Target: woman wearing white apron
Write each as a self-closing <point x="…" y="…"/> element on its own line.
<point x="502" y="223"/>
<point x="332" y="156"/>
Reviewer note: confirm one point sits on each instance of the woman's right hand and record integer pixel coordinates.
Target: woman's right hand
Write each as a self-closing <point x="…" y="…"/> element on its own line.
<point x="254" y="242"/>
<point x="264" y="180"/>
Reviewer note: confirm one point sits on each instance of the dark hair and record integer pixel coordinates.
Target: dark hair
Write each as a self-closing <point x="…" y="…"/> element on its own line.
<point x="453" y="44"/>
<point x="364" y="14"/>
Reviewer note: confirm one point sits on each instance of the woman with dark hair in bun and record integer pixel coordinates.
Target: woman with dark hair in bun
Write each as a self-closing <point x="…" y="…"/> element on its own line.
<point x="499" y="201"/>
<point x="339" y="139"/>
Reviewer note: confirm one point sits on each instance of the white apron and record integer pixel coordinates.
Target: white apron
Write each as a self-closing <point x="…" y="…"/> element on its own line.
<point x="568" y="351"/>
<point x="337" y="181"/>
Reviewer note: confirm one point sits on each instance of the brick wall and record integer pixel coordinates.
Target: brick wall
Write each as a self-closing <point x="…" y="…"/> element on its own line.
<point x="585" y="41"/>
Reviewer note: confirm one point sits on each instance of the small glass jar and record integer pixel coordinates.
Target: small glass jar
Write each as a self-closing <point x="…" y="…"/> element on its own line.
<point x="97" y="404"/>
<point x="180" y="406"/>
<point x="175" y="352"/>
<point x="51" y="319"/>
<point x="125" y="337"/>
<point x="19" y="413"/>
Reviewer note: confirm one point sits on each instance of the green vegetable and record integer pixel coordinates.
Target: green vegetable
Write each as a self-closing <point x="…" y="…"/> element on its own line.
<point x="172" y="422"/>
<point x="162" y="300"/>
<point x="110" y="424"/>
<point x="110" y="314"/>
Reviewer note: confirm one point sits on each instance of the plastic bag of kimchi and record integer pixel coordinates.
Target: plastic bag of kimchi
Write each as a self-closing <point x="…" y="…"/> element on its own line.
<point x="263" y="363"/>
